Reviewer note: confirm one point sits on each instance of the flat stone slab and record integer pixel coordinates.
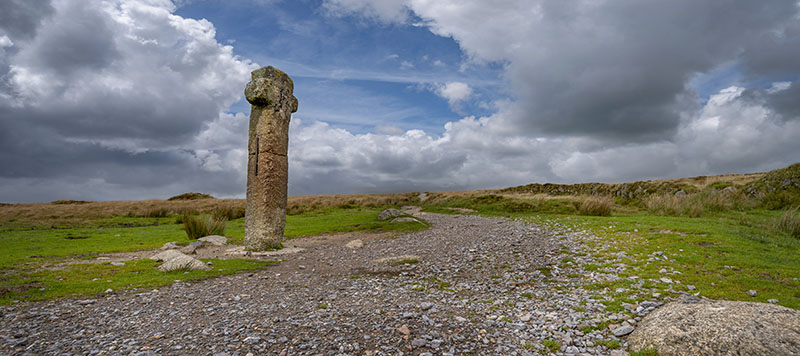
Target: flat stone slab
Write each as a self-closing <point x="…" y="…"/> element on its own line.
<point x="239" y="250"/>
<point x="214" y="240"/>
<point x="166" y="255"/>
<point x="694" y="326"/>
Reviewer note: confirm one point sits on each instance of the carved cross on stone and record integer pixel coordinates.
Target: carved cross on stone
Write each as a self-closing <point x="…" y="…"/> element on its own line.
<point x="272" y="104"/>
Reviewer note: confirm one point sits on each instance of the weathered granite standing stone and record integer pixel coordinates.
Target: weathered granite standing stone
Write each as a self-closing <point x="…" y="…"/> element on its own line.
<point x="270" y="94"/>
<point x="706" y="327"/>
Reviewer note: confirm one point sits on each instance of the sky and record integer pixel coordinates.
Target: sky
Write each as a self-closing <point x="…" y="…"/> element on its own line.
<point x="143" y="99"/>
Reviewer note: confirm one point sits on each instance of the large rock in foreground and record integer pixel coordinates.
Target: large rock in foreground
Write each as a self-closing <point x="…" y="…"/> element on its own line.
<point x="706" y="327"/>
<point x="176" y="261"/>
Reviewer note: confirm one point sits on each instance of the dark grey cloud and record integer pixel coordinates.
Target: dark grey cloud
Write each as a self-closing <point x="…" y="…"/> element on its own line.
<point x="619" y="69"/>
<point x="116" y="101"/>
<point x="21" y="18"/>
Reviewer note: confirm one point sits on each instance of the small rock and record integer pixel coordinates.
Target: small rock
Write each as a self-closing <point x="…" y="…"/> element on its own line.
<point x="355" y="244"/>
<point x="425" y="305"/>
<point x="250" y="340"/>
<point x="619" y="353"/>
<point x="752" y="293"/>
<point x="773" y="301"/>
<point x="666" y="280"/>
<point x="525" y="318"/>
<point x="691" y="287"/>
<point x="189" y="249"/>
<point x="169" y="246"/>
<point x="460" y="319"/>
<point x="117" y="264"/>
<point x="85" y="301"/>
<point x="419" y="342"/>
<point x="404" y="330"/>
<point x="623" y="330"/>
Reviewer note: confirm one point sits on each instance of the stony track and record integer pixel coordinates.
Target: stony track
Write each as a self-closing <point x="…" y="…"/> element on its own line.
<point x="479" y="286"/>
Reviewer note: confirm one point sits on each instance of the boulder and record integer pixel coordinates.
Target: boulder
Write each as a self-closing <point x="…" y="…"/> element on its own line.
<point x="175" y="260"/>
<point x="389" y="213"/>
<point x="214" y="240"/>
<point x="183" y="262"/>
<point x="694" y="326"/>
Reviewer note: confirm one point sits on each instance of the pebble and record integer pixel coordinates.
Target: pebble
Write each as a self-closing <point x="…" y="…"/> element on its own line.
<point x="752" y="293"/>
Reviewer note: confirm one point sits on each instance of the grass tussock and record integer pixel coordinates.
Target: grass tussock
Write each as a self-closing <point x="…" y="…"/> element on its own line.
<point x="789" y="223"/>
<point x="695" y="205"/>
<point x="596" y="206"/>
<point x="200" y="226"/>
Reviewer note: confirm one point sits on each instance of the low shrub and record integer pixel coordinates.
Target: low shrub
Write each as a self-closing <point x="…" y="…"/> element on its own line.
<point x="596" y="206"/>
<point x="789" y="223"/>
<point x="200" y="226"/>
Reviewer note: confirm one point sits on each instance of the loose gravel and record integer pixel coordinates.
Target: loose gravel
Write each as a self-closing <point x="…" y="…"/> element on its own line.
<point x="467" y="286"/>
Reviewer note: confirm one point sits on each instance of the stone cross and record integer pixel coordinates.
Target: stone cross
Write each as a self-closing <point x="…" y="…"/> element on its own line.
<point x="272" y="104"/>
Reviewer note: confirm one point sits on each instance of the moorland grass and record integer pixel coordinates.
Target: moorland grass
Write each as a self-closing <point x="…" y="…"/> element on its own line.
<point x="199" y="226"/>
<point x="37" y="257"/>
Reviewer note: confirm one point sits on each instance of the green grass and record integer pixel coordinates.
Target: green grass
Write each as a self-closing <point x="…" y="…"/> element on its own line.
<point x="86" y="280"/>
<point x="723" y="250"/>
<point x="723" y="255"/>
<point x="608" y="343"/>
<point x="30" y="253"/>
<point x="551" y="345"/>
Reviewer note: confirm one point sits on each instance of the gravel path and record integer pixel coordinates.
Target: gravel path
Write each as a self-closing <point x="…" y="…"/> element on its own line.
<point x="479" y="286"/>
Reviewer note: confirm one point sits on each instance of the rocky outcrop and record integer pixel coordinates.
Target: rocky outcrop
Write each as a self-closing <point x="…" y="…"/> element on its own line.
<point x="694" y="326"/>
<point x="389" y="214"/>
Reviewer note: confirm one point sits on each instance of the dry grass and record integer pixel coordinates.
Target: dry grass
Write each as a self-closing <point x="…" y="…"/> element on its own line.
<point x="701" y="182"/>
<point x="789" y="223"/>
<point x="695" y="205"/>
<point x="596" y="206"/>
<point x="61" y="214"/>
<point x="201" y="226"/>
<point x="75" y="214"/>
<point x="301" y="204"/>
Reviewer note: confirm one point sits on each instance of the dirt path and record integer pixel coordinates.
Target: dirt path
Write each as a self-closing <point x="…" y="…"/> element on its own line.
<point x="470" y="285"/>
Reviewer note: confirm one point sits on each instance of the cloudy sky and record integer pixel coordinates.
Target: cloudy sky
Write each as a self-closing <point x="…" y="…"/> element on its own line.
<point x="138" y="99"/>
